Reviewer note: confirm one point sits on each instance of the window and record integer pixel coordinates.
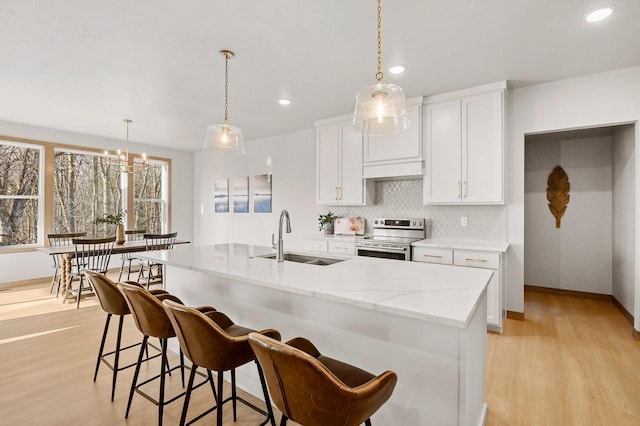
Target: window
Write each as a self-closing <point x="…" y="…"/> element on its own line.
<point x="85" y="186"/>
<point x="150" y="198"/>
<point x="21" y="182"/>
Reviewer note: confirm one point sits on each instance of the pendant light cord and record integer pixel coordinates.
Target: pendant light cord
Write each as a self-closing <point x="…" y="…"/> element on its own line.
<point x="226" y="87"/>
<point x="379" y="74"/>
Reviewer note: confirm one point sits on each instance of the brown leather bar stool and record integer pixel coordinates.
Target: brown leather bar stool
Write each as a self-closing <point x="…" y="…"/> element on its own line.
<point x="152" y="321"/>
<point x="212" y="341"/>
<point x="315" y="390"/>
<point x="113" y="303"/>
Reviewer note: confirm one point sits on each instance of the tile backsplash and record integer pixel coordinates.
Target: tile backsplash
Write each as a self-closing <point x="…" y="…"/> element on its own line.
<point x="403" y="198"/>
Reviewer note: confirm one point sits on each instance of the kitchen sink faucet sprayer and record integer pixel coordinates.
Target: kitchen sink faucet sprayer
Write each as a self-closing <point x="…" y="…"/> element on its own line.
<point x="283" y="215"/>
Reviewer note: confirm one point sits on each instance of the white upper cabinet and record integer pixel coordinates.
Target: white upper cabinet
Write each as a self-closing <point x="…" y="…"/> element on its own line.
<point x="339" y="178"/>
<point x="464" y="134"/>
<point x="399" y="154"/>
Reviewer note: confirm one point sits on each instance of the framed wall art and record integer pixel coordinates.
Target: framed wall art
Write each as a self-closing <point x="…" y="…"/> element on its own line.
<point x="221" y="195"/>
<point x="262" y="193"/>
<point x="241" y="195"/>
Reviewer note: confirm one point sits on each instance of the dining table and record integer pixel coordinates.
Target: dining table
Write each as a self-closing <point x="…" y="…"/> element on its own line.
<point x="68" y="252"/>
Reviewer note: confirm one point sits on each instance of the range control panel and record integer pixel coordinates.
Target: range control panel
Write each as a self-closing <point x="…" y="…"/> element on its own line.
<point x="399" y="223"/>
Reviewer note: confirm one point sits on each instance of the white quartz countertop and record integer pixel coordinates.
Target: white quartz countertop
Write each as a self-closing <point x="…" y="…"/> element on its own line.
<point x="482" y="245"/>
<point x="439" y="293"/>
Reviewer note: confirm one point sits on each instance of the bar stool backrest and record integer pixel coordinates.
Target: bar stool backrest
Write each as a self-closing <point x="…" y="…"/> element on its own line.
<point x="202" y="337"/>
<point x="110" y="298"/>
<point x="307" y="392"/>
<point x="93" y="253"/>
<point x="160" y="241"/>
<point x="147" y="311"/>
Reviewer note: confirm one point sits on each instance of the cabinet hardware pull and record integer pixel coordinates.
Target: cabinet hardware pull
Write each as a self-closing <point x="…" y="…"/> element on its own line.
<point x="458" y="190"/>
<point x="471" y="259"/>
<point x="465" y="189"/>
<point x="432" y="255"/>
<point x="340" y="192"/>
<point x="336" y="190"/>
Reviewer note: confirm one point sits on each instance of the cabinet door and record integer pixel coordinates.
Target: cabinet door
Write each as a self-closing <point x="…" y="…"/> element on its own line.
<point x="442" y="126"/>
<point x="351" y="189"/>
<point x="405" y="145"/>
<point x="327" y="166"/>
<point x="342" y="247"/>
<point x="483" y="148"/>
<point x="494" y="316"/>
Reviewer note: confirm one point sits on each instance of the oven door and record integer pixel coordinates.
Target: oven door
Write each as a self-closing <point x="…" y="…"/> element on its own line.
<point x="397" y="253"/>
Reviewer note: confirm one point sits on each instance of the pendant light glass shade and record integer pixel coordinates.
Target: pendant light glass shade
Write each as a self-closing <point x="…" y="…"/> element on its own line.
<point x="222" y="138"/>
<point x="381" y="109"/>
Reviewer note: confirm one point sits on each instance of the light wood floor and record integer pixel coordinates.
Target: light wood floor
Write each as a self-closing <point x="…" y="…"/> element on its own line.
<point x="571" y="362"/>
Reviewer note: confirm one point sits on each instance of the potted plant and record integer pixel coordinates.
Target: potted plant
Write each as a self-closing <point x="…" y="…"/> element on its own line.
<point x="325" y="222"/>
<point x="114" y="219"/>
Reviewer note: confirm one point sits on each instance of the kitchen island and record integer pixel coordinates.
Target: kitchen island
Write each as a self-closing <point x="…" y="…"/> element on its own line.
<point x="426" y="322"/>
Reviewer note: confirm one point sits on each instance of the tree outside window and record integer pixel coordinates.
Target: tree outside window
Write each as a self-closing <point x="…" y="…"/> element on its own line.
<point x="149" y="202"/>
<point x="20" y="200"/>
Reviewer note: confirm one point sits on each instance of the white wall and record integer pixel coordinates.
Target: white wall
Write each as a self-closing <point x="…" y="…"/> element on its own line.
<point x="291" y="159"/>
<point x="30" y="265"/>
<point x="590" y="101"/>
<point x="624" y="226"/>
<point x="556" y="257"/>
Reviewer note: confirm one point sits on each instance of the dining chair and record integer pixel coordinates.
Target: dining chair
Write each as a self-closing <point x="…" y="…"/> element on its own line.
<point x="90" y="253"/>
<point x="59" y="240"/>
<point x="314" y="390"/>
<point x="129" y="258"/>
<point x="153" y="272"/>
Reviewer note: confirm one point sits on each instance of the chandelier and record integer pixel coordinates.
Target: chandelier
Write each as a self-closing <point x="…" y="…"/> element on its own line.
<point x="222" y="137"/>
<point x="121" y="161"/>
<point x="381" y="109"/>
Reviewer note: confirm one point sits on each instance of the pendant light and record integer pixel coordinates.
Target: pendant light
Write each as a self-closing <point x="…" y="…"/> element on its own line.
<point x="121" y="162"/>
<point x="381" y="109"/>
<point x="223" y="138"/>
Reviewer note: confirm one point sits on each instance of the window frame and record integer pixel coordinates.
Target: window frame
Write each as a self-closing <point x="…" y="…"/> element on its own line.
<point x="45" y="184"/>
<point x="40" y="197"/>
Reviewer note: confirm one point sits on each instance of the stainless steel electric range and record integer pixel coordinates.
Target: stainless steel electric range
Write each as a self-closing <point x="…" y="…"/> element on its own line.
<point x="392" y="238"/>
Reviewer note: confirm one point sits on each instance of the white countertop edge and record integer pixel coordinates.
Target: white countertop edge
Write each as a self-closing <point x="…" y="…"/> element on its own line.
<point x="376" y="306"/>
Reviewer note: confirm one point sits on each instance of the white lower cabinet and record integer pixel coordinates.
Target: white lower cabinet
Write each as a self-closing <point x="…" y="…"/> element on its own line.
<point x="342" y="247"/>
<point x="330" y="245"/>
<point x="472" y="259"/>
<point x="315" y="245"/>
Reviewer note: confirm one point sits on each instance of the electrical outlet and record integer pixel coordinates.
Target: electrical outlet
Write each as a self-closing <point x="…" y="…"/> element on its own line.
<point x="464" y="221"/>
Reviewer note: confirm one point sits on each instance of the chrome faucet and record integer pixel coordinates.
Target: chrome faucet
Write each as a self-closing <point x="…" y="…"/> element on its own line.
<point x="283" y="215"/>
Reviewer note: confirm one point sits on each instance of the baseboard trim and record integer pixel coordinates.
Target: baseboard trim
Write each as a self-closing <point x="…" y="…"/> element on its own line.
<point x="31" y="281"/>
<point x="519" y="316"/>
<point x="622" y="310"/>
<point x="573" y="293"/>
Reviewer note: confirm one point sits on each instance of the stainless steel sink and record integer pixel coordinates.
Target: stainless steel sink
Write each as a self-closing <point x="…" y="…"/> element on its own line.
<point x="304" y="258"/>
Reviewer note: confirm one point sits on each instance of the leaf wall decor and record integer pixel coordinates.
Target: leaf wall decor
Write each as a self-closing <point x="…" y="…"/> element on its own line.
<point x="558" y="188"/>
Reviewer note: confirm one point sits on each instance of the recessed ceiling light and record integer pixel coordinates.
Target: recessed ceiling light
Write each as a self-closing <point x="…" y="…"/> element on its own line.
<point x="599" y="14"/>
<point x="397" y="69"/>
<point x="284" y="101"/>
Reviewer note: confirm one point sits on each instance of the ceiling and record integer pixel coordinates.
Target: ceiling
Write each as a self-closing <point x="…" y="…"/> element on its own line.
<point x="84" y="65"/>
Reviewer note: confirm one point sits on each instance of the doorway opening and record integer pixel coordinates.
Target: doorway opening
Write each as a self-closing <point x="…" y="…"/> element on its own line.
<point x="593" y="252"/>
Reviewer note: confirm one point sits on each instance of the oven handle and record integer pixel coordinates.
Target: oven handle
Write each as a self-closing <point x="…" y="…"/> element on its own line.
<point x="383" y="249"/>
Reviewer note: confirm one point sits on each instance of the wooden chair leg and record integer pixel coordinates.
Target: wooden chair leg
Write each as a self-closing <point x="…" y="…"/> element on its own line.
<point x="79" y="293"/>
